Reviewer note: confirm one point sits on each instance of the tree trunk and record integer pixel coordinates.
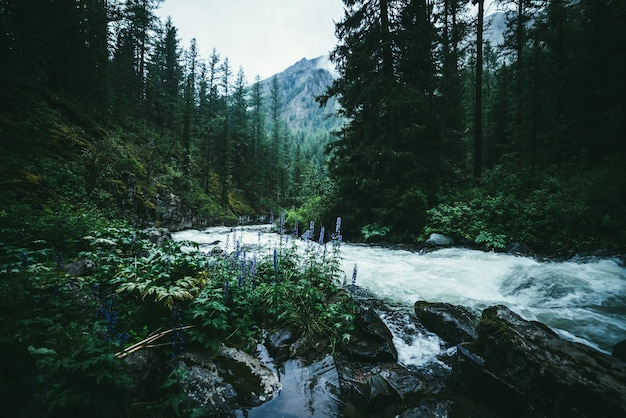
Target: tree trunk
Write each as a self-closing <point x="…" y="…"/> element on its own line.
<point x="478" y="129"/>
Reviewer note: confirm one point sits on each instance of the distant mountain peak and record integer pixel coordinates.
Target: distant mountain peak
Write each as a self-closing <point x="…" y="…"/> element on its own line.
<point x="299" y="85"/>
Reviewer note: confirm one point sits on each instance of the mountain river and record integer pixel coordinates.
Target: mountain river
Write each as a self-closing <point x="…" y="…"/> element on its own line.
<point x="582" y="299"/>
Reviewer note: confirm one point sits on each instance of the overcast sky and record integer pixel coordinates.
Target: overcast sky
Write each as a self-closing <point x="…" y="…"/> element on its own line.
<point x="263" y="36"/>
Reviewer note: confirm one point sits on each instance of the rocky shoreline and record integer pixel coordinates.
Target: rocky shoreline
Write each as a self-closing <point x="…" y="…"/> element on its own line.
<point x="495" y="365"/>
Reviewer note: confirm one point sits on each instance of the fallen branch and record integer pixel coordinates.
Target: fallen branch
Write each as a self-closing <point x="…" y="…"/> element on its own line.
<point x="147" y="342"/>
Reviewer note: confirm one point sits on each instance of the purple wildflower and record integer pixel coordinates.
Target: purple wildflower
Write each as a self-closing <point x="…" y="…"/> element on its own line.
<point x="275" y="262"/>
<point x="353" y="284"/>
<point x="226" y="290"/>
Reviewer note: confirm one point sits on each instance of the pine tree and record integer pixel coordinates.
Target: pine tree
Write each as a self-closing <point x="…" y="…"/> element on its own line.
<point x="241" y="133"/>
<point x="164" y="80"/>
<point x="277" y="179"/>
<point x="258" y="163"/>
<point x="225" y="139"/>
<point x="189" y="113"/>
<point x="387" y="159"/>
<point x="478" y="105"/>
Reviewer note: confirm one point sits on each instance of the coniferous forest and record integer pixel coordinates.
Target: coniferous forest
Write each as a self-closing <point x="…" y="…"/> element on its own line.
<point x="529" y="148"/>
<point x="109" y="125"/>
<point x="104" y="109"/>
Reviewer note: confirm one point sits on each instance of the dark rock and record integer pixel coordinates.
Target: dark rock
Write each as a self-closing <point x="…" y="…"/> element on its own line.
<point x="79" y="268"/>
<point x="455" y="324"/>
<point x="619" y="350"/>
<point x="148" y="371"/>
<point x="171" y="212"/>
<point x="226" y="380"/>
<point x="279" y="341"/>
<point x="451" y="407"/>
<point x="518" y="248"/>
<point x="158" y="235"/>
<point x="523" y="369"/>
<point x="372" y="340"/>
<point x="254" y="382"/>
<point x="377" y="384"/>
<point x="309" y="349"/>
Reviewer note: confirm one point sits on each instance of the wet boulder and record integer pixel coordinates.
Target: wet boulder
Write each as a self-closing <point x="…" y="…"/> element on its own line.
<point x="523" y="369"/>
<point x="158" y="235"/>
<point x="84" y="267"/>
<point x="619" y="350"/>
<point x="278" y="342"/>
<point x="439" y="240"/>
<point x="372" y="340"/>
<point x="226" y="380"/>
<point x="376" y="385"/>
<point x="455" y="324"/>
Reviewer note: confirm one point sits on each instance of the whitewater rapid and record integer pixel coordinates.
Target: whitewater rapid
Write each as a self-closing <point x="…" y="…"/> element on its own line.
<point x="582" y="299"/>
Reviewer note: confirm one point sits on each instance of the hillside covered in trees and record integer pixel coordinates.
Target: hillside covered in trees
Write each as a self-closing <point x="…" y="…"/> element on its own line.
<point x="105" y="113"/>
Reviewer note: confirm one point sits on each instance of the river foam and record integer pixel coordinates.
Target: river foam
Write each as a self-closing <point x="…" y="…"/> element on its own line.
<point x="582" y="299"/>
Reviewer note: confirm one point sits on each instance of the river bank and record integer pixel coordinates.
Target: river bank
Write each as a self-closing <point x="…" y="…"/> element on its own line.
<point x="391" y="280"/>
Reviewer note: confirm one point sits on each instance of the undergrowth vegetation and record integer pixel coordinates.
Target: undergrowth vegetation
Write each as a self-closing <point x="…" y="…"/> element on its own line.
<point x="555" y="212"/>
<point x="66" y="338"/>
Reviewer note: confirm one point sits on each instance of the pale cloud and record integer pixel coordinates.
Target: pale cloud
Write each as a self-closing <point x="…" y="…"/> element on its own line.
<point x="263" y="36"/>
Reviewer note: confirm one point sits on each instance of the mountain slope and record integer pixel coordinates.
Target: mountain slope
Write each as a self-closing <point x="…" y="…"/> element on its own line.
<point x="299" y="85"/>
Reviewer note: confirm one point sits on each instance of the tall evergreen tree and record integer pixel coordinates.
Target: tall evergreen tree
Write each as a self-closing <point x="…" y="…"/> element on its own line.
<point x="164" y="79"/>
<point x="189" y="113"/>
<point x="225" y="139"/>
<point x="241" y="133"/>
<point x="277" y="178"/>
<point x="387" y="159"/>
<point x="258" y="161"/>
<point x="478" y="102"/>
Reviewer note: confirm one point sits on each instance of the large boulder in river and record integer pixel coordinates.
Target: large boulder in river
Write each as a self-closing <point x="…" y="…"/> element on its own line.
<point x="455" y="324"/>
<point x="619" y="350"/>
<point x="372" y="340"/>
<point x="523" y="369"/>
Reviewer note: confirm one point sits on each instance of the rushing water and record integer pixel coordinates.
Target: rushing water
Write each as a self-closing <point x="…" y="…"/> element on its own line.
<point x="581" y="299"/>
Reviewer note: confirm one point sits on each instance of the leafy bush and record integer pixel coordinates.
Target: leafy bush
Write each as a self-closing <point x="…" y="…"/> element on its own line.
<point x="374" y="232"/>
<point x="558" y="210"/>
<point x="72" y="333"/>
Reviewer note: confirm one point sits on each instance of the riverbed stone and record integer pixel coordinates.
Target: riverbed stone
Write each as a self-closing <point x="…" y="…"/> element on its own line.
<point x="372" y="340"/>
<point x="523" y="369"/>
<point x="454" y="324"/>
<point x="226" y="380"/>
<point x="157" y="235"/>
<point x="278" y="342"/>
<point x="439" y="240"/>
<point x="619" y="350"/>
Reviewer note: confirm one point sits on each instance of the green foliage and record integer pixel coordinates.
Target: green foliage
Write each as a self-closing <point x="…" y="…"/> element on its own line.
<point x="302" y="292"/>
<point x="560" y="211"/>
<point x="374" y="232"/>
<point x="70" y="332"/>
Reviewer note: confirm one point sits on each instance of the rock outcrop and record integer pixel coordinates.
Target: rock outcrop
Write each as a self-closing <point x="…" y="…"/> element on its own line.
<point x="523" y="369"/>
<point x="454" y="324"/>
<point x="227" y="380"/>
